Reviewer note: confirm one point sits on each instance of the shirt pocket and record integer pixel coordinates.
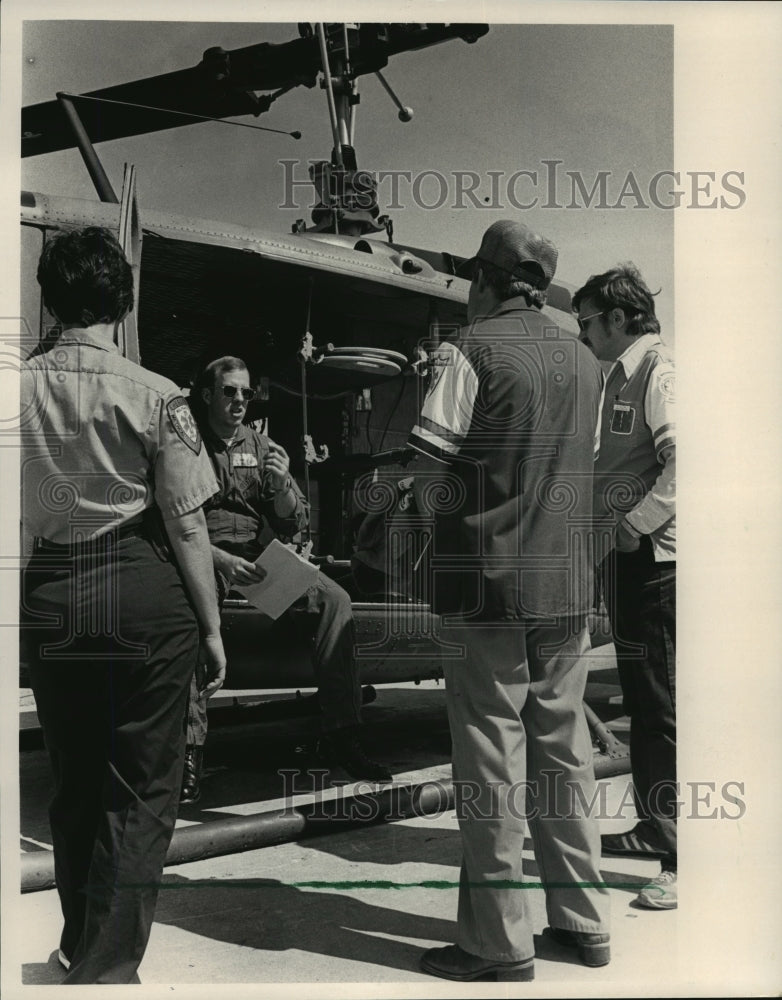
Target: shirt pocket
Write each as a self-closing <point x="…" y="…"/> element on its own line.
<point x="247" y="470"/>
<point x="247" y="482"/>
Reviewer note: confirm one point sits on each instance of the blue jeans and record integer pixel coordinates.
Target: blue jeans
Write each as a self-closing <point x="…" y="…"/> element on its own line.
<point x="640" y="596"/>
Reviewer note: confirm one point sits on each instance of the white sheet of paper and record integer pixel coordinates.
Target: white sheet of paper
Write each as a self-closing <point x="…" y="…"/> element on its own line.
<point x="288" y="576"/>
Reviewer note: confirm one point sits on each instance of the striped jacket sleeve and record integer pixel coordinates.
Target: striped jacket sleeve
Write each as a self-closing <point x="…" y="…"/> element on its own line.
<point x="447" y="411"/>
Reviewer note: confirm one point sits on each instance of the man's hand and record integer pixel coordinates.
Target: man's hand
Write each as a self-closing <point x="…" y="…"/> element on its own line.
<point x="625" y="540"/>
<point x="278" y="465"/>
<point x="211" y="671"/>
<point x="235" y="569"/>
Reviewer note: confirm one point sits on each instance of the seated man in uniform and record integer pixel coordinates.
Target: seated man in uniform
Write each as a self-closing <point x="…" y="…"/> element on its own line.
<point x="257" y="501"/>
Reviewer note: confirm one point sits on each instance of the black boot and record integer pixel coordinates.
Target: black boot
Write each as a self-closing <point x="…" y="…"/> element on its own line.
<point x="191" y="778"/>
<point x="342" y="748"/>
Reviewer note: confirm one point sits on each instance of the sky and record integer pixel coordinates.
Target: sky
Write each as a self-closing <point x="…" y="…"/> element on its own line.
<point x="594" y="97"/>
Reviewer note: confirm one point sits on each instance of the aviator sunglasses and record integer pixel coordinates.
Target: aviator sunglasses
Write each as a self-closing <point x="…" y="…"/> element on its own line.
<point x="229" y="391"/>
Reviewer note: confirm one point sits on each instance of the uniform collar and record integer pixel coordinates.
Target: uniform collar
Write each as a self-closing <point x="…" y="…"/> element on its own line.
<point x="631" y="358"/>
<point x="218" y="444"/>
<point x="85" y="337"/>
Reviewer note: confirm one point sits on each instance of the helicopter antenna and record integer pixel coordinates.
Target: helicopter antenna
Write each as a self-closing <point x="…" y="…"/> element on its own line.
<point x="405" y="114"/>
<point x="186" y="114"/>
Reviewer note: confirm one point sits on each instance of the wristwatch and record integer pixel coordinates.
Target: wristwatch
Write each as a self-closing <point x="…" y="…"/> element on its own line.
<point x="286" y="486"/>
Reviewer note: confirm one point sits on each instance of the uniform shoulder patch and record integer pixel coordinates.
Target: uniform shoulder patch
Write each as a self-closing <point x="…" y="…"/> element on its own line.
<point x="183" y="422"/>
<point x="666" y="381"/>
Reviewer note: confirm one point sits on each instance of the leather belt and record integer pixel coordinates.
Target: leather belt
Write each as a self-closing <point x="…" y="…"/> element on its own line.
<point x="135" y="529"/>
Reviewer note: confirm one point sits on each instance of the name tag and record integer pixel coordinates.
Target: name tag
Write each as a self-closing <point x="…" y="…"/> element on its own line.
<point x="622" y="418"/>
<point x="245" y="460"/>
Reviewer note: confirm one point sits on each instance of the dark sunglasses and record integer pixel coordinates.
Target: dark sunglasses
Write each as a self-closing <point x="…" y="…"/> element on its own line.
<point x="229" y="391"/>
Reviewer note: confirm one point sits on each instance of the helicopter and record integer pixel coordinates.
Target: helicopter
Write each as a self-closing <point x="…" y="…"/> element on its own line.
<point x="332" y="319"/>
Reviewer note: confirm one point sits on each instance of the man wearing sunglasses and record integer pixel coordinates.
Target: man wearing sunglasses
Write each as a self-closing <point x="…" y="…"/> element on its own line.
<point x="635" y="513"/>
<point x="258" y="500"/>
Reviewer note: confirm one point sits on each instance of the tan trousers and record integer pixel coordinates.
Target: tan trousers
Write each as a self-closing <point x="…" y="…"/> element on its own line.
<point x="521" y="745"/>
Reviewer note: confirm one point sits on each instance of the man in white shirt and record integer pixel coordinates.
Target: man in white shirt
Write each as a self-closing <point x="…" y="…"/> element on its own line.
<point x="635" y="516"/>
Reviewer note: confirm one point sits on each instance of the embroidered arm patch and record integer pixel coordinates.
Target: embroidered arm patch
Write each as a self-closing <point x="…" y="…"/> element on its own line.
<point x="185" y="426"/>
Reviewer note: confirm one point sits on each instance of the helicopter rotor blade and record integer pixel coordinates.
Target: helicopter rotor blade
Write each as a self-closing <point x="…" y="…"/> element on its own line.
<point x="223" y="84"/>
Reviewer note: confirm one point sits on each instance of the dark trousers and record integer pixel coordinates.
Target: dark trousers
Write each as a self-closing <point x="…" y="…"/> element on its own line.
<point x="110" y="676"/>
<point x="640" y="596"/>
<point x="325" y="615"/>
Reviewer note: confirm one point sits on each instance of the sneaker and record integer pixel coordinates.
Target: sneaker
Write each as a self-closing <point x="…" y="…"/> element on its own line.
<point x="342" y="748"/>
<point x="660" y="893"/>
<point x="636" y="843"/>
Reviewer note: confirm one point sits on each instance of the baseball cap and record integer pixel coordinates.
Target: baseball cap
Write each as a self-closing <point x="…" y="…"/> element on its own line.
<point x="516" y="249"/>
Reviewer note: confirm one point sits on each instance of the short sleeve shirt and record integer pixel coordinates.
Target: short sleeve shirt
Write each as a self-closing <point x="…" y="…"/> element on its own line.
<point x="103" y="439"/>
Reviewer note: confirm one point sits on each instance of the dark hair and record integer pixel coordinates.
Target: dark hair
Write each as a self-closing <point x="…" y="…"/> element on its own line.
<point x="622" y="288"/>
<point x="505" y="286"/>
<point x="207" y="378"/>
<point x="85" y="278"/>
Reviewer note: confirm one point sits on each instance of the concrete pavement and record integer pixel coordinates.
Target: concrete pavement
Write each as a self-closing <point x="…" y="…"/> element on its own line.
<point x="356" y="906"/>
<point x="353" y="907"/>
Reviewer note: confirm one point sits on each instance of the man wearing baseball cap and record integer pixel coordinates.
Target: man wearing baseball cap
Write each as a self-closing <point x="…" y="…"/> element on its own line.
<point x="506" y="434"/>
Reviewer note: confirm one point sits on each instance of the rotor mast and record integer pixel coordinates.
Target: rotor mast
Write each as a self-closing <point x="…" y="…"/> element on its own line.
<point x="348" y="197"/>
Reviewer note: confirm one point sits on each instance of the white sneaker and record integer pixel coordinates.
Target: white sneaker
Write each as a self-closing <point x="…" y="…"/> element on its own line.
<point x="660" y="893"/>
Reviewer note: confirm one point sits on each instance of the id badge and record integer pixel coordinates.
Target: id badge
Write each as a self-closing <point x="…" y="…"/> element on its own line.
<point x="622" y="418"/>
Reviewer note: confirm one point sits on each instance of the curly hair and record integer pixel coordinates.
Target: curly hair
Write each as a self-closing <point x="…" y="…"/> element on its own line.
<point x="85" y="278"/>
<point x="622" y="288"/>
